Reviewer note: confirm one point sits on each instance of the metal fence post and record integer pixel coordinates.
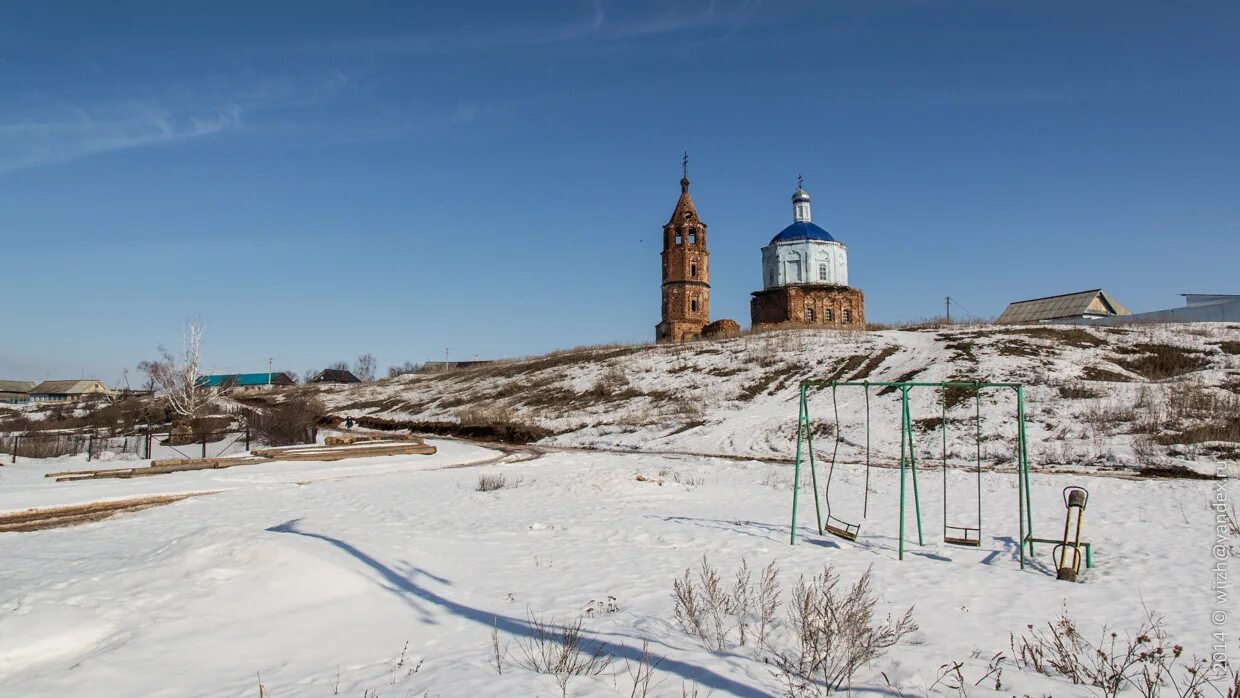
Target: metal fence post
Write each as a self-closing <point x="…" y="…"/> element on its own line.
<point x="90" y="446"/>
<point x="16" y="442"/>
<point x="204" y="445"/>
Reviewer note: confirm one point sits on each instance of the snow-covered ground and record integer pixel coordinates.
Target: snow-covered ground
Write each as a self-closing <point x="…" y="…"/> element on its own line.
<point x="1095" y="396"/>
<point x="317" y="577"/>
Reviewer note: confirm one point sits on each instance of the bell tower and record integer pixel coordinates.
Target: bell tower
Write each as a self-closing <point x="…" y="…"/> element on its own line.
<point x="686" y="271"/>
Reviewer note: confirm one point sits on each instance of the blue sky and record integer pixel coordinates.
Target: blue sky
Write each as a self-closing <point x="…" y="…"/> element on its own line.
<point x="318" y="180"/>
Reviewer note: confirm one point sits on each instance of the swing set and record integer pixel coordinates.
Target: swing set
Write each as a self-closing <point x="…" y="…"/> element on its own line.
<point x="963" y="535"/>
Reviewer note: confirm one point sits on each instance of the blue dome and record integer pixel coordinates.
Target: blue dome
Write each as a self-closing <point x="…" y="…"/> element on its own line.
<point x="802" y="231"/>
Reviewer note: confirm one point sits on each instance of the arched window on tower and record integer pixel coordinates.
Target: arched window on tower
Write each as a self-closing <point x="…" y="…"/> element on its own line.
<point x="822" y="272"/>
<point x="692" y="236"/>
<point x="678" y="237"/>
<point x="693" y="269"/>
<point x="693" y="304"/>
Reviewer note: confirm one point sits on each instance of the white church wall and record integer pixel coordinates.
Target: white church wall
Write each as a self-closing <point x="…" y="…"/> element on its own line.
<point x="801" y="262"/>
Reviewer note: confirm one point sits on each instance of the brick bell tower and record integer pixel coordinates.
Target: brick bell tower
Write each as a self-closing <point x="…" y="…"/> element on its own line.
<point x="686" y="271"/>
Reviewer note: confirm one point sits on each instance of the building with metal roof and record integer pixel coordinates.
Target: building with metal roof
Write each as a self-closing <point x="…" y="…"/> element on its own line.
<point x="1082" y="305"/>
<point x="245" y="381"/>
<point x="1198" y="307"/>
<point x="15" y="391"/>
<point x="53" y="391"/>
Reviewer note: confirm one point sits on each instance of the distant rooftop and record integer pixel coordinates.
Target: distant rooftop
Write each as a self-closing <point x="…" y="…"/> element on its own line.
<point x="1092" y="303"/>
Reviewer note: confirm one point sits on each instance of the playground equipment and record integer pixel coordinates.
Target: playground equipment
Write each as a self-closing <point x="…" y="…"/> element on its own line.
<point x="1074" y="499"/>
<point x="952" y="534"/>
<point x="834" y="524"/>
<point x="964" y="538"/>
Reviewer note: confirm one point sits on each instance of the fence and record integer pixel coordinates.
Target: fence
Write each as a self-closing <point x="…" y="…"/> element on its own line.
<point x="144" y="446"/>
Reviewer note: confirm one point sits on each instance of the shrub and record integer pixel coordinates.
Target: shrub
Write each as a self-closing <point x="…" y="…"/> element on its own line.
<point x="707" y="609"/>
<point x="1146" y="661"/>
<point x="285" y="423"/>
<point x="562" y="651"/>
<point x="835" y="634"/>
<point x="489" y="482"/>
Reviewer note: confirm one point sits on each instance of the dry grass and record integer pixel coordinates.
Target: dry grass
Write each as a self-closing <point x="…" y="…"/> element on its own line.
<point x="490" y="482"/>
<point x="1097" y="373"/>
<point x="1076" y="391"/>
<point x="720" y="614"/>
<point x="851" y="363"/>
<point x="1078" y="337"/>
<point x="835" y="634"/>
<point x="1145" y="662"/>
<point x="873" y="363"/>
<point x="1162" y="361"/>
<point x="562" y="651"/>
<point x="1232" y="348"/>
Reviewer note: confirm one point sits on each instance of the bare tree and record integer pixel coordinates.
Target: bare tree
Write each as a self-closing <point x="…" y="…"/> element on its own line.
<point x="177" y="377"/>
<point x="404" y="369"/>
<point x="364" y="368"/>
<point x="338" y="366"/>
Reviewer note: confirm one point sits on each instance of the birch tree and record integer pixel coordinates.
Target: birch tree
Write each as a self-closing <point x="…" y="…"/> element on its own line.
<point x="176" y="377"/>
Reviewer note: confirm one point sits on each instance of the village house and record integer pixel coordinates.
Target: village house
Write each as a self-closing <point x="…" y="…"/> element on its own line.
<point x="15" y="391"/>
<point x="335" y="375"/>
<point x="245" y="381"/>
<point x="64" y="390"/>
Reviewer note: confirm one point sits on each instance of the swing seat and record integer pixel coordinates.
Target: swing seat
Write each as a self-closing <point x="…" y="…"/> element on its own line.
<point x="972" y="541"/>
<point x="845" y="530"/>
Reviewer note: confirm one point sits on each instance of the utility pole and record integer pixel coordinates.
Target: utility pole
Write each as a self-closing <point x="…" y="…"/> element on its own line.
<point x="268" y="371"/>
<point x="949" y="309"/>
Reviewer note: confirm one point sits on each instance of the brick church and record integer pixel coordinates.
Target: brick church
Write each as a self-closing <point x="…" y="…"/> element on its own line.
<point x="686" y="273"/>
<point x="804" y="272"/>
<point x="805" y="277"/>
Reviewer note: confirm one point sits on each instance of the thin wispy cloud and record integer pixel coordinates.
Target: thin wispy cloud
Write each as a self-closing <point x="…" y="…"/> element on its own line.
<point x="77" y="132"/>
<point x="60" y="134"/>
<point x="597" y="22"/>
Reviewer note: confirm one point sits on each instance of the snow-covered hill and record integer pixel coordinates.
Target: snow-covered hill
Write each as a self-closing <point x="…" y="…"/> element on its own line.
<point x="1140" y="396"/>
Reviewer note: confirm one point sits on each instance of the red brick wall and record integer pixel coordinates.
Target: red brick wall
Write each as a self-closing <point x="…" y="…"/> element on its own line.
<point x="787" y="305"/>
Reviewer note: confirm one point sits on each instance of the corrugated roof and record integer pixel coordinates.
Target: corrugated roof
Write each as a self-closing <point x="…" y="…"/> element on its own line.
<point x="1094" y="302"/>
<point x="242" y="379"/>
<point x="15" y="386"/>
<point x="73" y="387"/>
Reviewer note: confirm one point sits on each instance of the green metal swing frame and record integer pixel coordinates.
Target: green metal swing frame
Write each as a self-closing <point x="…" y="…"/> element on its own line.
<point x="908" y="459"/>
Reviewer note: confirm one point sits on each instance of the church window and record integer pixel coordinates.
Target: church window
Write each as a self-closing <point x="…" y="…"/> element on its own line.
<point x="847" y="316"/>
<point x="693" y="270"/>
<point x="822" y="272"/>
<point x="693" y="305"/>
<point x="692" y="236"/>
<point x="809" y="313"/>
<point x="828" y="315"/>
<point x="678" y="239"/>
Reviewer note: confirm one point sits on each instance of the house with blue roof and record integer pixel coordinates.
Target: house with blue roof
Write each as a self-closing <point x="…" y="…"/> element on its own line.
<point x="805" y="276"/>
<point x="245" y="381"/>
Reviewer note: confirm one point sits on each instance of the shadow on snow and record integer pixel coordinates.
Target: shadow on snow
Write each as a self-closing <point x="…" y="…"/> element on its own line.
<point x="406" y="587"/>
